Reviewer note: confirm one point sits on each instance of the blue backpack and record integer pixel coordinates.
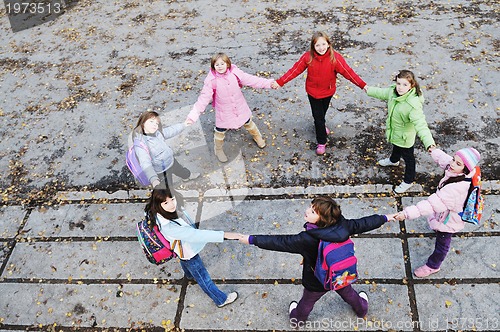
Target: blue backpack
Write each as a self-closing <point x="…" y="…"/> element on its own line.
<point x="133" y="163"/>
<point x="336" y="264"/>
<point x="473" y="206"/>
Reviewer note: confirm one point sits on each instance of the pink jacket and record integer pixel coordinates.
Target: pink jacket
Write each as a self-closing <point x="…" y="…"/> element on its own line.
<point x="231" y="108"/>
<point x="443" y="206"/>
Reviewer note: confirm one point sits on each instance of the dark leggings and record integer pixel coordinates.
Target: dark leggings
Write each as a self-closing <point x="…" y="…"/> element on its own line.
<point x="441" y="248"/>
<point x="309" y="298"/>
<point x="319" y="107"/>
<point x="408" y="155"/>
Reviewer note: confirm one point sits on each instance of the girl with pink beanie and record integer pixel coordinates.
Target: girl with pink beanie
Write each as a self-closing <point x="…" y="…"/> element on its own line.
<point x="442" y="207"/>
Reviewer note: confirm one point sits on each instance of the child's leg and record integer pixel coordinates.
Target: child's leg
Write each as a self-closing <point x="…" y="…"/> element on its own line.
<point x="351" y="297"/>
<point x="254" y="131"/>
<point x="179" y="170"/>
<point x="408" y="156"/>
<point x="396" y="154"/>
<point x="443" y="243"/>
<point x="194" y="267"/>
<point x="305" y="305"/>
<point x="319" y="107"/>
<point x="219" y="134"/>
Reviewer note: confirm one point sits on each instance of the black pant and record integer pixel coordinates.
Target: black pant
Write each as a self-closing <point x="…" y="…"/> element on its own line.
<point x="319" y="108"/>
<point x="408" y="156"/>
<point x="181" y="172"/>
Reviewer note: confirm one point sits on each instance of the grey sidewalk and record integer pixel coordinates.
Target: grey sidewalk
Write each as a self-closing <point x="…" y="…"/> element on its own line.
<point x="79" y="265"/>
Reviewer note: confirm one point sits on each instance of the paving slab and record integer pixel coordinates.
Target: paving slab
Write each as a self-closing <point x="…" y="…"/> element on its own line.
<point x="88" y="306"/>
<point x="469" y="257"/>
<point x="458" y="307"/>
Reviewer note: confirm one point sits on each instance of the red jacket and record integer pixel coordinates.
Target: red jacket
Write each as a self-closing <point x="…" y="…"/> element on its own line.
<point x="321" y="78"/>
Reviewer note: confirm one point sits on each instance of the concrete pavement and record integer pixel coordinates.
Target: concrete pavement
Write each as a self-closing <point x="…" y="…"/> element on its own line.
<point x="78" y="265"/>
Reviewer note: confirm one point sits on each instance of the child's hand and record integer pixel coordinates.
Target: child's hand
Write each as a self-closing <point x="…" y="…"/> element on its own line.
<point x="154" y="183"/>
<point x="188" y="122"/>
<point x="232" y="236"/>
<point x="366" y="88"/>
<point x="391" y="217"/>
<point x="400" y="216"/>
<point x="275" y="85"/>
<point x="431" y="148"/>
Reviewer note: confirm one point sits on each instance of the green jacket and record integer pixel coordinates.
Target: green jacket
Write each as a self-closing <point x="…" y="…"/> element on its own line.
<point x="405" y="117"/>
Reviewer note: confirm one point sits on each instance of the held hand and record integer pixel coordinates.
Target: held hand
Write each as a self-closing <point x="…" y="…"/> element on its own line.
<point x="431" y="148"/>
<point x="391" y="217"/>
<point x="231" y="236"/>
<point x="275" y="85"/>
<point x="366" y="88"/>
<point x="400" y="216"/>
<point x="244" y="239"/>
<point x="188" y="122"/>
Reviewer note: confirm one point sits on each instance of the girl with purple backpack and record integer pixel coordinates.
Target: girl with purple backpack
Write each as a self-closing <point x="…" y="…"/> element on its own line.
<point x="324" y="221"/>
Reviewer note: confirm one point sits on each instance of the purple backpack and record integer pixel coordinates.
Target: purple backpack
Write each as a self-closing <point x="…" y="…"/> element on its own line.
<point x="336" y="264"/>
<point x="133" y="163"/>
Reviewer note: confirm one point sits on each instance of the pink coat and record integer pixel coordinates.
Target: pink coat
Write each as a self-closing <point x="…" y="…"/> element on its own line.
<point x="231" y="108"/>
<point x="443" y="206"/>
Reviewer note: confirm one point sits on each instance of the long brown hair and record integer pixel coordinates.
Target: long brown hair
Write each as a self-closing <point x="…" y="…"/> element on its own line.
<point x="314" y="40"/>
<point x="327" y="209"/>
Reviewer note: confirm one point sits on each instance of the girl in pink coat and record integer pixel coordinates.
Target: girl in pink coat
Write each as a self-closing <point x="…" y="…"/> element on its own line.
<point x="442" y="207"/>
<point x="222" y="87"/>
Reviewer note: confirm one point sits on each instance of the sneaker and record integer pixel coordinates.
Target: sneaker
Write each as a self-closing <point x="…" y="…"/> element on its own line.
<point x="321" y="149"/>
<point x="424" y="271"/>
<point x="387" y="162"/>
<point x="327" y="131"/>
<point x="363" y="295"/>
<point x="192" y="177"/>
<point x="403" y="186"/>
<point x="292" y="306"/>
<point x="231" y="297"/>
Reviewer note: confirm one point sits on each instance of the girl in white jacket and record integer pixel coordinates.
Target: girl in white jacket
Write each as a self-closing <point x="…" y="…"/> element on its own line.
<point x="442" y="207"/>
<point x="162" y="208"/>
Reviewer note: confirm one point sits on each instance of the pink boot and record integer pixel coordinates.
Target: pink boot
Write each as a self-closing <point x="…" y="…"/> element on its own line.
<point x="424" y="271"/>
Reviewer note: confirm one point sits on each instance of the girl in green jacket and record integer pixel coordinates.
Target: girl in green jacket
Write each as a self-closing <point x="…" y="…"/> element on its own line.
<point x="405" y="120"/>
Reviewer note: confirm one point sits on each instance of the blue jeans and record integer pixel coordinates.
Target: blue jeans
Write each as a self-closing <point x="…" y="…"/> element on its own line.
<point x="194" y="269"/>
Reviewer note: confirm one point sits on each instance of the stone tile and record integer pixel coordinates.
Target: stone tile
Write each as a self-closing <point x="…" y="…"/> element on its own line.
<point x="458" y="307"/>
<point x="11" y="218"/>
<point x="98" y="306"/>
<point x="468" y="257"/>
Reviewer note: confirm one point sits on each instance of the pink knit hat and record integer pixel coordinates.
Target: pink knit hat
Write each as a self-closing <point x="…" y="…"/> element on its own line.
<point x="470" y="156"/>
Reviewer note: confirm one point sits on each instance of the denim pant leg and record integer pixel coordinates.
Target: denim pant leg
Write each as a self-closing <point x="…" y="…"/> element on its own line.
<point x="443" y="244"/>
<point x="197" y="270"/>
<point x="351" y="297"/>
<point x="305" y="305"/>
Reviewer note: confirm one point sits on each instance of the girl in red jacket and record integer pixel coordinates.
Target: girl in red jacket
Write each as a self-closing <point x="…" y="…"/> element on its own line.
<point x="322" y="64"/>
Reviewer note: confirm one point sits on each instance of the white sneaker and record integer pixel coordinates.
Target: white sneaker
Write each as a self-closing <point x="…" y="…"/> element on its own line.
<point x="231" y="297"/>
<point x="387" y="162"/>
<point x="292" y="306"/>
<point x="363" y="296"/>
<point x="403" y="186"/>
<point x="193" y="176"/>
